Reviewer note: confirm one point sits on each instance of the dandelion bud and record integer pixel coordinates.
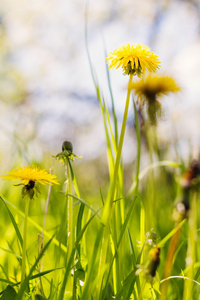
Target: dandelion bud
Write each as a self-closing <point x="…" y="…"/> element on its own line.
<point x="154" y="260"/>
<point x="195" y="166"/>
<point x="191" y="174"/>
<point x="67" y="153"/>
<point x="67" y="146"/>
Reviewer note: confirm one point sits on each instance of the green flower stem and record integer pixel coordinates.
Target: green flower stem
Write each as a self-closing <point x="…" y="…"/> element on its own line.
<point x="112" y="189"/>
<point x="69" y="211"/>
<point x="191" y="251"/>
<point x="142" y="210"/>
<point x="23" y="271"/>
<point x="137" y="128"/>
<point x="150" y="136"/>
<point x="144" y="282"/>
<point x="70" y="229"/>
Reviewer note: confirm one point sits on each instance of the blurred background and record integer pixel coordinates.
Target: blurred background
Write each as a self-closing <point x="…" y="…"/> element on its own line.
<point x="46" y="90"/>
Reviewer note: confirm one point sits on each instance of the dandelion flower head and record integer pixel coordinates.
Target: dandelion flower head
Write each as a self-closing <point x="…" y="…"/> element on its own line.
<point x="134" y="59"/>
<point x="31" y="173"/>
<point x="152" y="86"/>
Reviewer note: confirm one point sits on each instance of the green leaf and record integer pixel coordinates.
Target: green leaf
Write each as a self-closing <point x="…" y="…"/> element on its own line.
<point x="68" y="296"/>
<point x="9" y="293"/>
<point x="119" y="241"/>
<point x="80" y="275"/>
<point x="26" y="281"/>
<point x="35" y="224"/>
<point x="150" y="167"/>
<point x="113" y="104"/>
<point x="39" y="297"/>
<point x="150" y="290"/>
<point x="68" y="267"/>
<point x="85" y="203"/>
<point x="14" y="223"/>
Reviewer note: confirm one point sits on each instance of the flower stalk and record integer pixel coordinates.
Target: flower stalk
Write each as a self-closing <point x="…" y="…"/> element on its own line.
<point x="23" y="270"/>
<point x="70" y="229"/>
<point x="65" y="157"/>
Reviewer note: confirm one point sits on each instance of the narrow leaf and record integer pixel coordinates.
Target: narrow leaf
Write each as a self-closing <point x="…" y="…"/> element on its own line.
<point x="13" y="222"/>
<point x="9" y="293"/>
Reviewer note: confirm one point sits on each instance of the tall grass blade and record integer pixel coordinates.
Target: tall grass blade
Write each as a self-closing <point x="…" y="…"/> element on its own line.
<point x="86" y="204"/>
<point x="112" y="189"/>
<point x="101" y="102"/>
<point x="37" y="226"/>
<point x="13" y="222"/>
<point x="170" y="234"/>
<point x="79" y="224"/>
<point x="118" y="244"/>
<point x="74" y="179"/>
<point x="113" y="104"/>
<point x="69" y="266"/>
<point x="95" y="256"/>
<point x="26" y="281"/>
<point x="9" y="293"/>
<point x="148" y="168"/>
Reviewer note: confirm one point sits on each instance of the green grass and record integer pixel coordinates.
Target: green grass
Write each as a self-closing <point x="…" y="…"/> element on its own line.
<point x="104" y="257"/>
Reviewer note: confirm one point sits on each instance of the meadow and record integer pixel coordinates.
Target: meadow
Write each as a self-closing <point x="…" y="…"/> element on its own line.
<point x="133" y="233"/>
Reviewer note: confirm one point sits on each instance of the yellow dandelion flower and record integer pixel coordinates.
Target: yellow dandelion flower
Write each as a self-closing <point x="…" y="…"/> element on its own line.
<point x="31" y="173"/>
<point x="152" y="86"/>
<point x="29" y="176"/>
<point x="134" y="59"/>
<point x="149" y="88"/>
